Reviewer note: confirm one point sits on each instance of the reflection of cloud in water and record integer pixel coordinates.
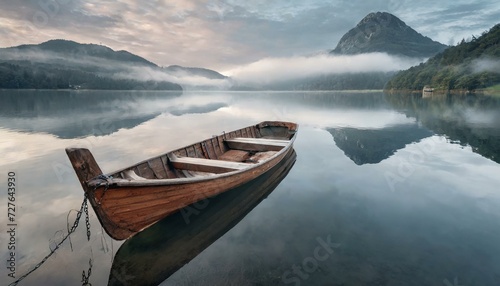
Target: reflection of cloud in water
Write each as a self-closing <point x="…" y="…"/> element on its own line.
<point x="320" y="117"/>
<point x="76" y="114"/>
<point x="319" y="109"/>
<point x="242" y="109"/>
<point x="450" y="186"/>
<point x="79" y="114"/>
<point x="197" y="108"/>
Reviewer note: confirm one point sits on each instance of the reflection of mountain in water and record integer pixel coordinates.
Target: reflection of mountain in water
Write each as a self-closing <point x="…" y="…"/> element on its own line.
<point x="468" y="120"/>
<point x="71" y="114"/>
<point x="155" y="254"/>
<point x="371" y="146"/>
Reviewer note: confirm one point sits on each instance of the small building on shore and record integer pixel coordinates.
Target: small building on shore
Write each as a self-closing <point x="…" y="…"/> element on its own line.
<point x="427" y="91"/>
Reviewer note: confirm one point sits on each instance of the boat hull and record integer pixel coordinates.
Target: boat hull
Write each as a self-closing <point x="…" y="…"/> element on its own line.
<point x="128" y="210"/>
<point x="129" y="200"/>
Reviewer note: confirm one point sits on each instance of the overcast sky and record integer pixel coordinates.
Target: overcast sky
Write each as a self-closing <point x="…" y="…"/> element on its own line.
<point x="223" y="34"/>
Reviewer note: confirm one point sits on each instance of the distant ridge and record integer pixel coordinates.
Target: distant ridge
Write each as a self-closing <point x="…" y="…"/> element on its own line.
<point x="211" y="74"/>
<point x="384" y="32"/>
<point x="65" y="64"/>
<point x="66" y="47"/>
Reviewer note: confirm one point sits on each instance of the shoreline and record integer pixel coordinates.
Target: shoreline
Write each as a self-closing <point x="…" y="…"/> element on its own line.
<point x="483" y="91"/>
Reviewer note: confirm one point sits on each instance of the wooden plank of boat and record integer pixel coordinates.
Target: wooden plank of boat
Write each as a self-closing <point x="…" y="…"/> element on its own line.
<point x="130" y="199"/>
<point x="256" y="144"/>
<point x="260" y="140"/>
<point x="235" y="156"/>
<point x="207" y="165"/>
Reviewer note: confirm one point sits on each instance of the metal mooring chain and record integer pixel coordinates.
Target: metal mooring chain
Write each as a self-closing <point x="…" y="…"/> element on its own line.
<point x="83" y="208"/>
<point x="85" y="277"/>
<point x="87" y="220"/>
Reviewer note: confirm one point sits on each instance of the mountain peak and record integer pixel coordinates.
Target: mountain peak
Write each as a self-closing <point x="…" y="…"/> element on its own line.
<point x="384" y="32"/>
<point x="383" y="19"/>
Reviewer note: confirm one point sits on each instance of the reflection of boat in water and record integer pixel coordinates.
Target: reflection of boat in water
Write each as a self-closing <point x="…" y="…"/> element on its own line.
<point x="131" y="199"/>
<point x="155" y="254"/>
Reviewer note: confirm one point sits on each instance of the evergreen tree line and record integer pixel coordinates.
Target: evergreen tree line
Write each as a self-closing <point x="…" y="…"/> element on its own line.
<point x="456" y="68"/>
<point x="349" y="81"/>
<point x="26" y="75"/>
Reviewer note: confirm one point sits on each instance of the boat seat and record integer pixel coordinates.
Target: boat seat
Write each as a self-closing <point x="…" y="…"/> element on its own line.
<point x="206" y="165"/>
<point x="256" y="144"/>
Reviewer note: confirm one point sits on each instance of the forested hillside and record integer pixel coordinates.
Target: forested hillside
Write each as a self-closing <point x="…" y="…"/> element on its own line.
<point x="30" y="75"/>
<point x="349" y="81"/>
<point x="63" y="64"/>
<point x="468" y="66"/>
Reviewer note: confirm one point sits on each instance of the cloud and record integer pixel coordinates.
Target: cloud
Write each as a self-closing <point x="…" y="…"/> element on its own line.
<point x="449" y="22"/>
<point x="184" y="79"/>
<point x="486" y="65"/>
<point x="222" y="34"/>
<point x="282" y="69"/>
<point x="197" y="109"/>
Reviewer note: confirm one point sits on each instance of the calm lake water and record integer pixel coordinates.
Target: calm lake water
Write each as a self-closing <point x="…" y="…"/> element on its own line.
<point x="385" y="190"/>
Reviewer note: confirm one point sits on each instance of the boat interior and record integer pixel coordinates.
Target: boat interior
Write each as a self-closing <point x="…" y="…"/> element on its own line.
<point x="228" y="152"/>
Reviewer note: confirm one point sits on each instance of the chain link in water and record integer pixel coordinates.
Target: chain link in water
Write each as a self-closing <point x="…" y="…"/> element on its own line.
<point x="87" y="220"/>
<point x="85" y="277"/>
<point x="73" y="228"/>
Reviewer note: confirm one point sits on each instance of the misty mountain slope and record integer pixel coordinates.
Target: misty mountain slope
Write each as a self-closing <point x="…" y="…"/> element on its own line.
<point x="384" y="32"/>
<point x="73" y="49"/>
<point x="67" y="64"/>
<point x="467" y="66"/>
<point x="29" y="75"/>
<point x="207" y="73"/>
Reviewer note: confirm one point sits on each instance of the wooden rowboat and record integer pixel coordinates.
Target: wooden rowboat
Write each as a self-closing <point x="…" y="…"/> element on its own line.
<point x="129" y="200"/>
<point x="156" y="253"/>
